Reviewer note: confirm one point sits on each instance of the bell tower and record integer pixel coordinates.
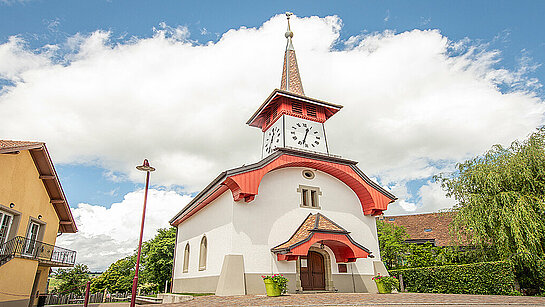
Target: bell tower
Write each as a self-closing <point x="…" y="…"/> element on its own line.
<point x="288" y="118"/>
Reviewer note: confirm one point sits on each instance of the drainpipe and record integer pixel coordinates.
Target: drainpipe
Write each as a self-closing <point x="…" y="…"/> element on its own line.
<point x="352" y="271"/>
<point x="173" y="262"/>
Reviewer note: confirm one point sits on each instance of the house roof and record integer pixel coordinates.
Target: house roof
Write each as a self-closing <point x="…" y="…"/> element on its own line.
<point x="10" y="146"/>
<point x="48" y="175"/>
<point x="313" y="223"/>
<point x="318" y="229"/>
<point x="433" y="227"/>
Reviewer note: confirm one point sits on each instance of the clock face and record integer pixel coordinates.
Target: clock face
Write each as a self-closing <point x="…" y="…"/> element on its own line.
<point x="305" y="135"/>
<point x="272" y="139"/>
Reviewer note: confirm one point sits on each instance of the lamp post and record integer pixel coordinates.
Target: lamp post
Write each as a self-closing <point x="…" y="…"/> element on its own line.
<point x="145" y="167"/>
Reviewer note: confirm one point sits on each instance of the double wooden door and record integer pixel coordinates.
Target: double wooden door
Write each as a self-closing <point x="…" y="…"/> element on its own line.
<point x="312" y="272"/>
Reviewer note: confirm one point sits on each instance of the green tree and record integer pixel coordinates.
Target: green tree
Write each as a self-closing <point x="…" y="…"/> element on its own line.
<point x="501" y="201"/>
<point x="393" y="249"/>
<point x="72" y="280"/>
<point x="157" y="255"/>
<point x="117" y="278"/>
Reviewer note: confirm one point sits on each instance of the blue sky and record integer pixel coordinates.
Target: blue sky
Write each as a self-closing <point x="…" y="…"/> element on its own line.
<point x="420" y="101"/>
<point x="507" y="25"/>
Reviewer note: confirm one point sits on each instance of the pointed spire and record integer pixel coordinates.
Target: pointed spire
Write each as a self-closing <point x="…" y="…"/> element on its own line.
<point x="291" y="80"/>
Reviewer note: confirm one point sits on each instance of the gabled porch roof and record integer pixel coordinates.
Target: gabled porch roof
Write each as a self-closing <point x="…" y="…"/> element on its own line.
<point x="319" y="229"/>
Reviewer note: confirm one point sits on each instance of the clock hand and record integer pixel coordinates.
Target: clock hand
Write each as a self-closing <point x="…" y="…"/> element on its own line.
<point x="270" y="144"/>
<point x="306" y="133"/>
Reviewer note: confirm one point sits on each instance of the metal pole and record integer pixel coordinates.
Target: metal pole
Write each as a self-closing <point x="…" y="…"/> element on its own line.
<point x="135" y="280"/>
<point x="86" y="302"/>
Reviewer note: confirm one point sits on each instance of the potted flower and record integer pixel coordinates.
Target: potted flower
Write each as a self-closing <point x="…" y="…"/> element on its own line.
<point x="385" y="284"/>
<point x="275" y="284"/>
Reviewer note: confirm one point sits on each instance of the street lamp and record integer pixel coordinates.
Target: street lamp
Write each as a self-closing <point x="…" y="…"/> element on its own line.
<point x="145" y="167"/>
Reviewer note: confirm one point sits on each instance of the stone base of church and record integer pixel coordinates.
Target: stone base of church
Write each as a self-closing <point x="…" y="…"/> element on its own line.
<point x="205" y="284"/>
<point x="346" y="283"/>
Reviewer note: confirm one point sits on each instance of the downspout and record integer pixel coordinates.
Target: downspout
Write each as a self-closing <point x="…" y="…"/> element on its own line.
<point x="173" y="261"/>
<point x="352" y="271"/>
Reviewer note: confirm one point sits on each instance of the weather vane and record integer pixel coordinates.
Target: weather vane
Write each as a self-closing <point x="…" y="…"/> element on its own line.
<point x="289" y="33"/>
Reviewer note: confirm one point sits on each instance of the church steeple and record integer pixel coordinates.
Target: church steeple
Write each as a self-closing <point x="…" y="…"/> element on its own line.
<point x="291" y="80"/>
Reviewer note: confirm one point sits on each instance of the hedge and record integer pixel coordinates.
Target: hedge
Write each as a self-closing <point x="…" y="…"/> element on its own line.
<point x="475" y="278"/>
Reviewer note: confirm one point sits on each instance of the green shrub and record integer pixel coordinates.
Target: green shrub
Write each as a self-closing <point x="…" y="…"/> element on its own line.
<point x="476" y="278"/>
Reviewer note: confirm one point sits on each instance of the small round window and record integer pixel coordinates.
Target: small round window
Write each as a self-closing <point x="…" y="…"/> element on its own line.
<point x="308" y="174"/>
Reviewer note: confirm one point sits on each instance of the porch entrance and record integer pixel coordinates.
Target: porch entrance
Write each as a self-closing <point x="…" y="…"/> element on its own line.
<point x="312" y="272"/>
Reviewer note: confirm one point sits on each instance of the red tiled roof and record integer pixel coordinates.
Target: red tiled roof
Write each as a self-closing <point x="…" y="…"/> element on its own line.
<point x="313" y="223"/>
<point x="291" y="80"/>
<point x="436" y="224"/>
<point x="9" y="145"/>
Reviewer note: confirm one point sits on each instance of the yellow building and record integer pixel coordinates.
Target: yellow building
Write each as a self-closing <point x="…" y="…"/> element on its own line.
<point x="33" y="212"/>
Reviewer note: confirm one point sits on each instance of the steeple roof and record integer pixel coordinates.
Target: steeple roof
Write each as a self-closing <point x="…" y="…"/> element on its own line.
<point x="290" y="99"/>
<point x="291" y="80"/>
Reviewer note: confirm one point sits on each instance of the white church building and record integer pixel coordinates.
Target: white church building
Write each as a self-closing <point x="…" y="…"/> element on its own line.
<point x="300" y="211"/>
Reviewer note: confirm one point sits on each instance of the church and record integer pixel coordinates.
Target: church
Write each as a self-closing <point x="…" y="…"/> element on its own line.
<point x="300" y="211"/>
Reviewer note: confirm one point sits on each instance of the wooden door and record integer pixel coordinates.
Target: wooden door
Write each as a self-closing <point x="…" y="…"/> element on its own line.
<point x="312" y="272"/>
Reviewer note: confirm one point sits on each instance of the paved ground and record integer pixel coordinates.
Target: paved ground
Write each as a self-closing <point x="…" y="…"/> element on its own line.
<point x="364" y="299"/>
<point x="99" y="305"/>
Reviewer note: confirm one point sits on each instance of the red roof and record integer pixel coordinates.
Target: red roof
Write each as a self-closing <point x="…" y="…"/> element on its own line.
<point x="7" y="145"/>
<point x="319" y="229"/>
<point x="48" y="175"/>
<point x="314" y="222"/>
<point x="433" y="227"/>
<point x="244" y="181"/>
<point x="282" y="102"/>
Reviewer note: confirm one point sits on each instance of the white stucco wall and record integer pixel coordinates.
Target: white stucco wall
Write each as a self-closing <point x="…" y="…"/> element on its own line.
<point x="214" y="221"/>
<point x="275" y="215"/>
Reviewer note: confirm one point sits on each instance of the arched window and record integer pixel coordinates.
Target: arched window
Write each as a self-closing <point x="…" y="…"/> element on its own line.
<point x="202" y="255"/>
<point x="186" y="258"/>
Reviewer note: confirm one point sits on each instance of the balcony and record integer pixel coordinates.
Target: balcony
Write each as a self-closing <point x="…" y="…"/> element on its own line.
<point x="45" y="254"/>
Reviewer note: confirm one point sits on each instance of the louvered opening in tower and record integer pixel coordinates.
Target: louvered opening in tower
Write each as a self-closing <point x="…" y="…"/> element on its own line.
<point x="267" y="117"/>
<point x="275" y="111"/>
<point x="311" y="110"/>
<point x="297" y="107"/>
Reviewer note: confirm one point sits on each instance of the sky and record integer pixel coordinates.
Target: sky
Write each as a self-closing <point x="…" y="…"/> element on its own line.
<point x="424" y="84"/>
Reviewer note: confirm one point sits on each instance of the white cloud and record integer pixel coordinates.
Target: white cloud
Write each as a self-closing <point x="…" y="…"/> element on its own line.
<point x="415" y="102"/>
<point x="434" y="198"/>
<point x="429" y="198"/>
<point x="16" y="60"/>
<point x="108" y="234"/>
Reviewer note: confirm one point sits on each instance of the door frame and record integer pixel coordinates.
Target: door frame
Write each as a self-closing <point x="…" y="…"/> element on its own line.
<point x="327" y="269"/>
<point x="30" y="247"/>
<point x="8" y="228"/>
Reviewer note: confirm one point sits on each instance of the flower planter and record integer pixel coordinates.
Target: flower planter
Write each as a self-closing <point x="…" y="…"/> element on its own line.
<point x="382" y="287"/>
<point x="272" y="288"/>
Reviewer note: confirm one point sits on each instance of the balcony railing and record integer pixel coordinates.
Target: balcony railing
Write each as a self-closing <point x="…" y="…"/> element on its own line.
<point x="47" y="254"/>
